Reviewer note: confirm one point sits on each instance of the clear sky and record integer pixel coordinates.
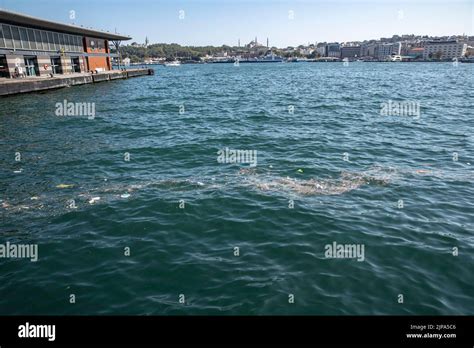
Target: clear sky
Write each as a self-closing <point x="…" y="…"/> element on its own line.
<point x="285" y="23"/>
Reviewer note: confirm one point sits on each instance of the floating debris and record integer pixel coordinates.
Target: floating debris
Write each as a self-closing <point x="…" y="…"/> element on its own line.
<point x="125" y="195"/>
<point x="348" y="181"/>
<point x="17" y="171"/>
<point x="34" y="198"/>
<point x="423" y="171"/>
<point x="94" y="199"/>
<point x="62" y="186"/>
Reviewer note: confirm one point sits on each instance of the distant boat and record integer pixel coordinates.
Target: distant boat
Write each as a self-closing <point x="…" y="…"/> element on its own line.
<point x="269" y="58"/>
<point x="467" y="60"/>
<point x="173" y="63"/>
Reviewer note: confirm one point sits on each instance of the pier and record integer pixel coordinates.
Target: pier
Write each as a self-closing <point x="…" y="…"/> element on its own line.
<point x="41" y="83"/>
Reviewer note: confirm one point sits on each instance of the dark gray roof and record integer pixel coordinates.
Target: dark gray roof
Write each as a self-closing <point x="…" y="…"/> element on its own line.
<point x="29" y="21"/>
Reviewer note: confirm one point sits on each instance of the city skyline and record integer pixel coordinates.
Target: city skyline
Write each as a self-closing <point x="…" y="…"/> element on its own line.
<point x="285" y="23"/>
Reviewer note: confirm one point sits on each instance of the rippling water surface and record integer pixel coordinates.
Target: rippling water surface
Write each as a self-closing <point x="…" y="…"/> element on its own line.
<point x="342" y="165"/>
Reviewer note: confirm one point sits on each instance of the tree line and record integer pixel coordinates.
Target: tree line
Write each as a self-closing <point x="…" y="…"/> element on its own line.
<point x="139" y="53"/>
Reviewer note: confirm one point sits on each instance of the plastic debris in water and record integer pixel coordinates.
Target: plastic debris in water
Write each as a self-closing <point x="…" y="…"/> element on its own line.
<point x="94" y="199"/>
<point x="61" y="186"/>
<point x="34" y="198"/>
<point x="17" y="171"/>
<point x="300" y="170"/>
<point x="125" y="195"/>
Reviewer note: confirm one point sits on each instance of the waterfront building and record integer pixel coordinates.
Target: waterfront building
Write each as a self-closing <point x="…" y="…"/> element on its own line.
<point x="368" y="50"/>
<point x="350" y="52"/>
<point x="333" y="50"/>
<point x="321" y="49"/>
<point x="41" y="47"/>
<point x="385" y="51"/>
<point x="416" y="52"/>
<point x="444" y="49"/>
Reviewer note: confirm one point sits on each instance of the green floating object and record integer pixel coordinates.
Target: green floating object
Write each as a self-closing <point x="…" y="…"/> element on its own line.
<point x="300" y="170"/>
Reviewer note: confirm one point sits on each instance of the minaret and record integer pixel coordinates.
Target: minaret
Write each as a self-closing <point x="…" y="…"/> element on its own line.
<point x="239" y="42"/>
<point x="267" y="43"/>
<point x="256" y="41"/>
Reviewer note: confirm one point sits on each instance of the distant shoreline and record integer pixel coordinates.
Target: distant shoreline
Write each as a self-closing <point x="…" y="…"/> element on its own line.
<point x="299" y="62"/>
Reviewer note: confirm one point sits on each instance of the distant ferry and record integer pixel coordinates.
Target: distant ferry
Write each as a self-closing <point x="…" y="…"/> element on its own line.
<point x="173" y="63"/>
<point x="269" y="58"/>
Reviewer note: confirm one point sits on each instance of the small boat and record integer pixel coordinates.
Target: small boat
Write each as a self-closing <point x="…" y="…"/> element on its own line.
<point x="173" y="63"/>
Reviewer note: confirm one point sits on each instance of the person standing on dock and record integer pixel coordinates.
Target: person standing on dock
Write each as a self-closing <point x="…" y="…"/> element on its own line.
<point x="19" y="71"/>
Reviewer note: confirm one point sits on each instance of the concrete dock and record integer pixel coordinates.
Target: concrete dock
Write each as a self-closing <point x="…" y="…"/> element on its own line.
<point x="41" y="83"/>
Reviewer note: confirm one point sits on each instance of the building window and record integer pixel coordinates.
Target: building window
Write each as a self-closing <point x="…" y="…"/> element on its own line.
<point x="95" y="44"/>
<point x="92" y="44"/>
<point x="56" y="41"/>
<point x="24" y="38"/>
<point x="44" y="40"/>
<point x="31" y="66"/>
<point x="39" y="44"/>
<point x="16" y="37"/>
<point x="68" y="42"/>
<point x="79" y="44"/>
<point x="75" y="66"/>
<point x="52" y="44"/>
<point x="61" y="42"/>
<point x="56" y="65"/>
<point x="7" y="36"/>
<point x="31" y="39"/>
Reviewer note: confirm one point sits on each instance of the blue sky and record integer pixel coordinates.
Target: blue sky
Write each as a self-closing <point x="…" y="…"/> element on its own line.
<point x="214" y="22"/>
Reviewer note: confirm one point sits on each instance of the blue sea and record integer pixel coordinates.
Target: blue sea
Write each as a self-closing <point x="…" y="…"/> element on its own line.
<point x="133" y="212"/>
